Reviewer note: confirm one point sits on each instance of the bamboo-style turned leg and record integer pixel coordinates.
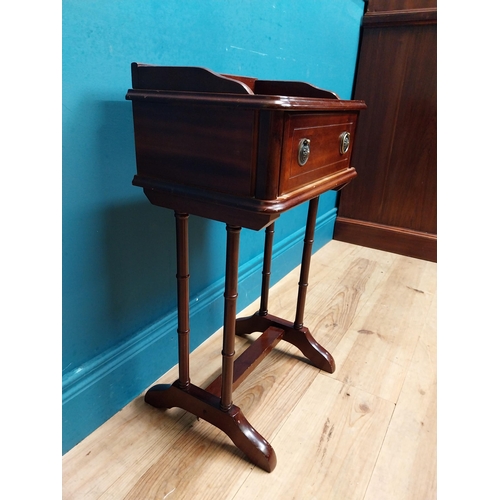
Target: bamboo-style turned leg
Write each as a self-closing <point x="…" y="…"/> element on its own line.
<point x="295" y="333"/>
<point x="219" y="411"/>
<point x="215" y="403"/>
<point x="306" y="262"/>
<point x="182" y="297"/>
<point x="230" y="296"/>
<point x="266" y="269"/>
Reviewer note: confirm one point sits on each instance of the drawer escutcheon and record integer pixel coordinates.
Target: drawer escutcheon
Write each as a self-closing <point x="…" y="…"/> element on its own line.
<point x="345" y="140"/>
<point x="304" y="151"/>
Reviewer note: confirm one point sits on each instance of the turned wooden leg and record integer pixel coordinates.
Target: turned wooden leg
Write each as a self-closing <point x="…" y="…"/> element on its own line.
<point x="295" y="333"/>
<point x="230" y="296"/>
<point x="306" y="262"/>
<point x="183" y="297"/>
<point x="215" y="406"/>
<point x="154" y="396"/>
<point x="266" y="269"/>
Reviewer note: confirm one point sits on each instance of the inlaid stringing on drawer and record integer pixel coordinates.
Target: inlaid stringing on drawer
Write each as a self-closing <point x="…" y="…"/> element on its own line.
<point x="323" y="135"/>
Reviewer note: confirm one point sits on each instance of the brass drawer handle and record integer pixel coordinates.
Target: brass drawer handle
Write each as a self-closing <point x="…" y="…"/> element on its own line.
<point x="345" y="140"/>
<point x="304" y="151"/>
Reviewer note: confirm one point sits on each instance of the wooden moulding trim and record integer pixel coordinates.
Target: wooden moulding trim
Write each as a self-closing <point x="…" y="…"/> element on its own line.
<point x="400" y="17"/>
<point x="246" y="101"/>
<point x="398" y="240"/>
<point x="275" y="206"/>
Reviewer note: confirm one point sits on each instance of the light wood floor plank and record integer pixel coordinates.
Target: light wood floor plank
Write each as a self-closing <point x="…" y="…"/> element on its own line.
<point x="327" y="447"/>
<point x="139" y="428"/>
<point x="382" y="338"/>
<point x="375" y="312"/>
<point x="266" y="398"/>
<point x="411" y="437"/>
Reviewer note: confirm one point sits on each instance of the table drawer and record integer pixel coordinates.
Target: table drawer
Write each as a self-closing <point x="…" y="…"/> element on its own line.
<point x="315" y="146"/>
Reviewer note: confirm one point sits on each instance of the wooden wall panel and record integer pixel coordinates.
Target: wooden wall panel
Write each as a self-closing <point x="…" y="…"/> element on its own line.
<point x="395" y="5"/>
<point x="395" y="156"/>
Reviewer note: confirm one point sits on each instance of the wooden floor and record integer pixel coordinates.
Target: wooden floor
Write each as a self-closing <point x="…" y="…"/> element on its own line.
<point x="367" y="431"/>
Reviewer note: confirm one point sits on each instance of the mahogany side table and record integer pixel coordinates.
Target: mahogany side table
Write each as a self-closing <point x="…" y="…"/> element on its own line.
<point x="241" y="151"/>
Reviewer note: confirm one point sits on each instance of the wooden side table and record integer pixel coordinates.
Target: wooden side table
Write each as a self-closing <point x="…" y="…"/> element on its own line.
<point x="241" y="151"/>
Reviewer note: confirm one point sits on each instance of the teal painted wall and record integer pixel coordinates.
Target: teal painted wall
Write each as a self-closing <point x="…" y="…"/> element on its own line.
<point x="119" y="321"/>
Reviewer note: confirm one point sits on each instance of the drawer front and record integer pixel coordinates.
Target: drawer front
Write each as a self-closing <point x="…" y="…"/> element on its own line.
<point x="312" y="147"/>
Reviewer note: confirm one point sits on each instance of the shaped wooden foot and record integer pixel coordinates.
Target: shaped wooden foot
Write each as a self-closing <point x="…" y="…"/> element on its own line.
<point x="299" y="337"/>
<point x="207" y="406"/>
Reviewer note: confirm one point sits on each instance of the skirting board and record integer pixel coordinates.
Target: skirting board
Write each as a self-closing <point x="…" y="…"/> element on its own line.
<point x="388" y="238"/>
<point x="94" y="392"/>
